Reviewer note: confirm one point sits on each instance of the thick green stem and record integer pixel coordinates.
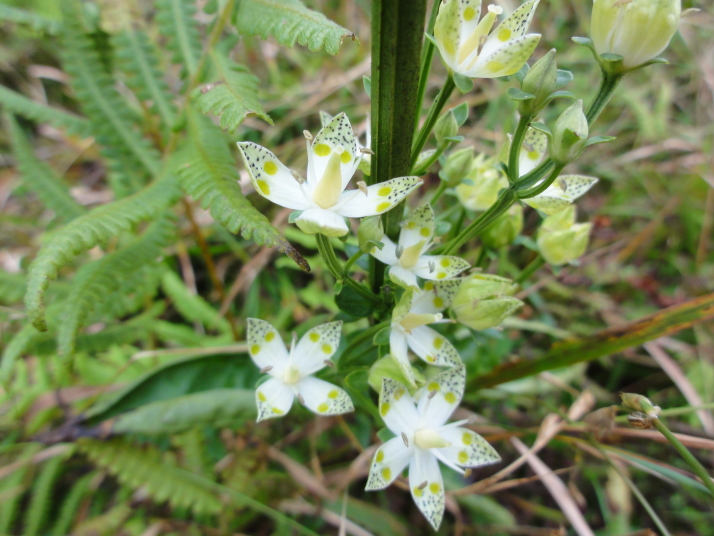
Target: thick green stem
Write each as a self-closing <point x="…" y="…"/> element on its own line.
<point x="530" y="269"/>
<point x="515" y="149"/>
<point x="431" y="118"/>
<point x="335" y="267"/>
<point x="426" y="56"/>
<point x="686" y="455"/>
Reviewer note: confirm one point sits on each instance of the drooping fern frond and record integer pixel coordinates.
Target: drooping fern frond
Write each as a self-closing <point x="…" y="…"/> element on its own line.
<point x="137" y="58"/>
<point x="233" y="96"/>
<point x="191" y="306"/>
<point x="98" y="281"/>
<point x="289" y="21"/>
<point x="35" y="21"/>
<point x="19" y="104"/>
<point x="176" y="22"/>
<point x="110" y="116"/>
<point x="207" y="172"/>
<point x="40" y="178"/>
<point x="89" y="230"/>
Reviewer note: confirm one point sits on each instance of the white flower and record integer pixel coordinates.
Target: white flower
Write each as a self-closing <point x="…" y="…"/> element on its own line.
<point x="409" y="328"/>
<point x="407" y="259"/>
<point x="423" y="438"/>
<point x="292" y="371"/>
<point x="468" y="49"/>
<point x="366" y="149"/>
<point x="333" y="157"/>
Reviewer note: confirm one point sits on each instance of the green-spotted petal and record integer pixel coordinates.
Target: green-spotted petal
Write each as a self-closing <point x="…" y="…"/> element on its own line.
<point x="388" y="463"/>
<point x="379" y="197"/>
<point x="418" y="227"/>
<point x="446" y="32"/>
<point x="433" y="347"/>
<point x="505" y="59"/>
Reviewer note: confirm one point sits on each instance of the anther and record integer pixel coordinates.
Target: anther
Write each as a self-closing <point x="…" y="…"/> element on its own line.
<point x="363" y="187"/>
<point x="301" y="399"/>
<point x="404" y="438"/>
<point x="307" y="135"/>
<point x="266" y="369"/>
<point x="366" y="150"/>
<point x="329" y="363"/>
<point x="432" y="267"/>
<point x="432" y="394"/>
<point x="398" y="251"/>
<point x="423" y="484"/>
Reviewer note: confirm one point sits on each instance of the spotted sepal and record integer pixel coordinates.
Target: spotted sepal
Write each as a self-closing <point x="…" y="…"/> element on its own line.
<point x="324" y="398"/>
<point x="516" y="24"/>
<point x="271" y="178"/>
<point x="317" y="346"/>
<point x="427" y="486"/>
<point x="273" y="399"/>
<point x="449" y="386"/>
<point x="437" y="296"/>
<point x="265" y="346"/>
<point x="404" y="305"/>
<point x="335" y="136"/>
<point x="396" y="407"/>
<point x="388" y="463"/>
<point x="506" y="59"/>
<point x="561" y="193"/>
<point x="418" y="227"/>
<point x="433" y="347"/>
<point x="438" y="267"/>
<point x="468" y="449"/>
<point x="379" y="197"/>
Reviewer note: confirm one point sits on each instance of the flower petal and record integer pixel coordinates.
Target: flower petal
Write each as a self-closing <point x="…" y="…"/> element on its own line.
<point x="468" y="448"/>
<point x="338" y="132"/>
<point x="274" y="399"/>
<point x="561" y="193"/>
<point x="403" y="277"/>
<point x="319" y="220"/>
<point x="549" y="204"/>
<point x="265" y="346"/>
<point x="433" y="347"/>
<point x="447" y="33"/>
<point x="271" y="178"/>
<point x="324" y="398"/>
<point x="316" y="346"/>
<point x="387" y="254"/>
<point x="438" y="267"/>
<point x="388" y="463"/>
<point x="428" y="497"/>
<point x="506" y="59"/>
<point x="398" y="349"/>
<point x="449" y="387"/>
<point x="379" y="199"/>
<point x="436" y="296"/>
<point x="511" y="28"/>
<point x="397" y="408"/>
<point x="418" y="227"/>
<point x="535" y="144"/>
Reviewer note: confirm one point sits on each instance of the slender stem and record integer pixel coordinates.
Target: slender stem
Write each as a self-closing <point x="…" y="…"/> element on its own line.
<point x="515" y="149"/>
<point x="335" y="267"/>
<point x="424" y="166"/>
<point x="427" y="54"/>
<point x="439" y="191"/>
<point x="351" y="261"/>
<point x="431" y="117"/>
<point x="533" y="176"/>
<point x="359" y="339"/>
<point x="608" y="85"/>
<point x="543" y="186"/>
<point x="530" y="269"/>
<point x="684" y="453"/>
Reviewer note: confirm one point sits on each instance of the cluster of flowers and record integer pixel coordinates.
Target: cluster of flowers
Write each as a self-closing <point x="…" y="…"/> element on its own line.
<point x="416" y="410"/>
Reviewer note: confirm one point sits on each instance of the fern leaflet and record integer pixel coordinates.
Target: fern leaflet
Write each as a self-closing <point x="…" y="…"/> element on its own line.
<point x="137" y="58"/>
<point x="88" y="231"/>
<point x="175" y="20"/>
<point x="35" y="21"/>
<point x="207" y="172"/>
<point x="98" y="281"/>
<point x="289" y="21"/>
<point x="191" y="306"/>
<point x="40" y="178"/>
<point x="19" y="104"/>
<point x="234" y="96"/>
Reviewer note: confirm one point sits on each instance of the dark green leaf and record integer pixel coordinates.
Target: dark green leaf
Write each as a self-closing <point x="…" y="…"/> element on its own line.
<point x="464" y="83"/>
<point x="353" y="303"/>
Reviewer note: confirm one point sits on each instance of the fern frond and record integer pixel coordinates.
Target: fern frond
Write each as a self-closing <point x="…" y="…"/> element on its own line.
<point x="40" y="178"/>
<point x="191" y="306"/>
<point x="98" y="281"/>
<point x="41" y="493"/>
<point x="35" y="21"/>
<point x="70" y="505"/>
<point x="88" y="231"/>
<point x="137" y="58"/>
<point x="234" y="95"/>
<point x="19" y="104"/>
<point x="176" y="22"/>
<point x="207" y="172"/>
<point x="110" y="116"/>
<point x="18" y="345"/>
<point x="289" y="21"/>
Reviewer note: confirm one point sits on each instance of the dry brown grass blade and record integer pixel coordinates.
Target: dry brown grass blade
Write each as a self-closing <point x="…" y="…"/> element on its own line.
<point x="302" y="476"/>
<point x="46" y="454"/>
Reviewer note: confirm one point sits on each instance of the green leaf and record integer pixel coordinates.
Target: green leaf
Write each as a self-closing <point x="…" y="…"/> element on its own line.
<point x="367" y="81"/>
<point x="233" y="96"/>
<point x="217" y="408"/>
<point x="541" y="127"/>
<point x="518" y="94"/>
<point x="382" y="337"/>
<point x="353" y="303"/>
<point x="598" y="139"/>
<point x="41" y="113"/>
<point x="610" y="57"/>
<point x="40" y="178"/>
<point x="385" y="434"/>
<point x="175" y="19"/>
<point x="461" y="113"/>
<point x="87" y="231"/>
<point x="208" y="172"/>
<point x="562" y="78"/>
<point x="463" y="83"/>
<point x="583" y="41"/>
<point x="34" y="20"/>
<point x="289" y="21"/>
<point x="191" y="306"/>
<point x="179" y="378"/>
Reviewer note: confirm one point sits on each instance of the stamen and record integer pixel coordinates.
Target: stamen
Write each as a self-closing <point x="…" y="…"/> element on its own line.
<point x="301" y="399"/>
<point x="563" y="184"/>
<point x="432" y="267"/>
<point x="329" y="363"/>
<point x="398" y="252"/>
<point x="404" y="438"/>
<point x="363" y="187"/>
<point x="467" y="473"/>
<point x="432" y="394"/>
<point x="293" y="343"/>
<point x="423" y="484"/>
<point x="366" y="150"/>
<point x="297" y="176"/>
<point x="266" y="369"/>
<point x="307" y="135"/>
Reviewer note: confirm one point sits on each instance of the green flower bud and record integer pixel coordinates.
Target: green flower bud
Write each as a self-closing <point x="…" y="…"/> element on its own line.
<point x="481" y="187"/>
<point x="570" y="133"/>
<point x="505" y="229"/>
<point x="484" y="300"/>
<point x="387" y="367"/>
<point x="560" y="239"/>
<point x="369" y="232"/>
<point x="641" y="403"/>
<point x="540" y="81"/>
<point x="457" y="166"/>
<point x="446" y="126"/>
<point x="637" y="30"/>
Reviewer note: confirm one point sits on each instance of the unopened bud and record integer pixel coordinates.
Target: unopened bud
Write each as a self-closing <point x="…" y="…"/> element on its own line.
<point x="640" y="403"/>
<point x="561" y="240"/>
<point x="541" y="82"/>
<point x="369" y="233"/>
<point x="446" y="126"/>
<point x="505" y="229"/>
<point x="484" y="301"/>
<point x="457" y="166"/>
<point x="570" y="133"/>
<point x="387" y="367"/>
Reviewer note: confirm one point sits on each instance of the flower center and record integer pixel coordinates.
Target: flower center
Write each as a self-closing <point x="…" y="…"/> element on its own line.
<point x="329" y="188"/>
<point x="411" y="254"/>
<point x="414" y="320"/>
<point x="291" y="375"/>
<point x="426" y="438"/>
<point x="479" y="34"/>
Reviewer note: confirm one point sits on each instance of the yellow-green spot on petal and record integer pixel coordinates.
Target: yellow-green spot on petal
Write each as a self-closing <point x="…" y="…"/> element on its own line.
<point x="326" y="348"/>
<point x="332" y="394"/>
<point x="346" y="157"/>
<point x="449" y="46"/>
<point x="533" y="155"/>
<point x="322" y="150"/>
<point x="450" y="397"/>
<point x="411" y="225"/>
<point x="383" y="206"/>
<point x="270" y="167"/>
<point x="433" y="386"/>
<point x="384" y="409"/>
<point x="428" y="286"/>
<point x="278" y="411"/>
<point x="463" y="456"/>
<point x="269" y="336"/>
<point x="262" y="397"/>
<point x="418" y="491"/>
<point x="387" y="473"/>
<point x="398" y="394"/>
<point x="430" y="358"/>
<point x="438" y="303"/>
<point x="384" y="191"/>
<point x="469" y="13"/>
<point x="434" y="488"/>
<point x="467" y="438"/>
<point x="439" y="341"/>
<point x="380" y="456"/>
<point x="314" y="337"/>
<point x="322" y="408"/>
<point x="424" y="231"/>
<point x="255" y="349"/>
<point x="445" y="262"/>
<point x="441" y="275"/>
<point x="263" y="187"/>
<point x="504" y="34"/>
<point x="494" y="66"/>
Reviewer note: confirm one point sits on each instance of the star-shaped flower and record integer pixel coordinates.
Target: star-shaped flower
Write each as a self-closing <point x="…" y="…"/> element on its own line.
<point x="423" y="439"/>
<point x="407" y="259"/>
<point x="333" y="157"/>
<point x="468" y="49"/>
<point x="409" y="328"/>
<point x="292" y="371"/>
